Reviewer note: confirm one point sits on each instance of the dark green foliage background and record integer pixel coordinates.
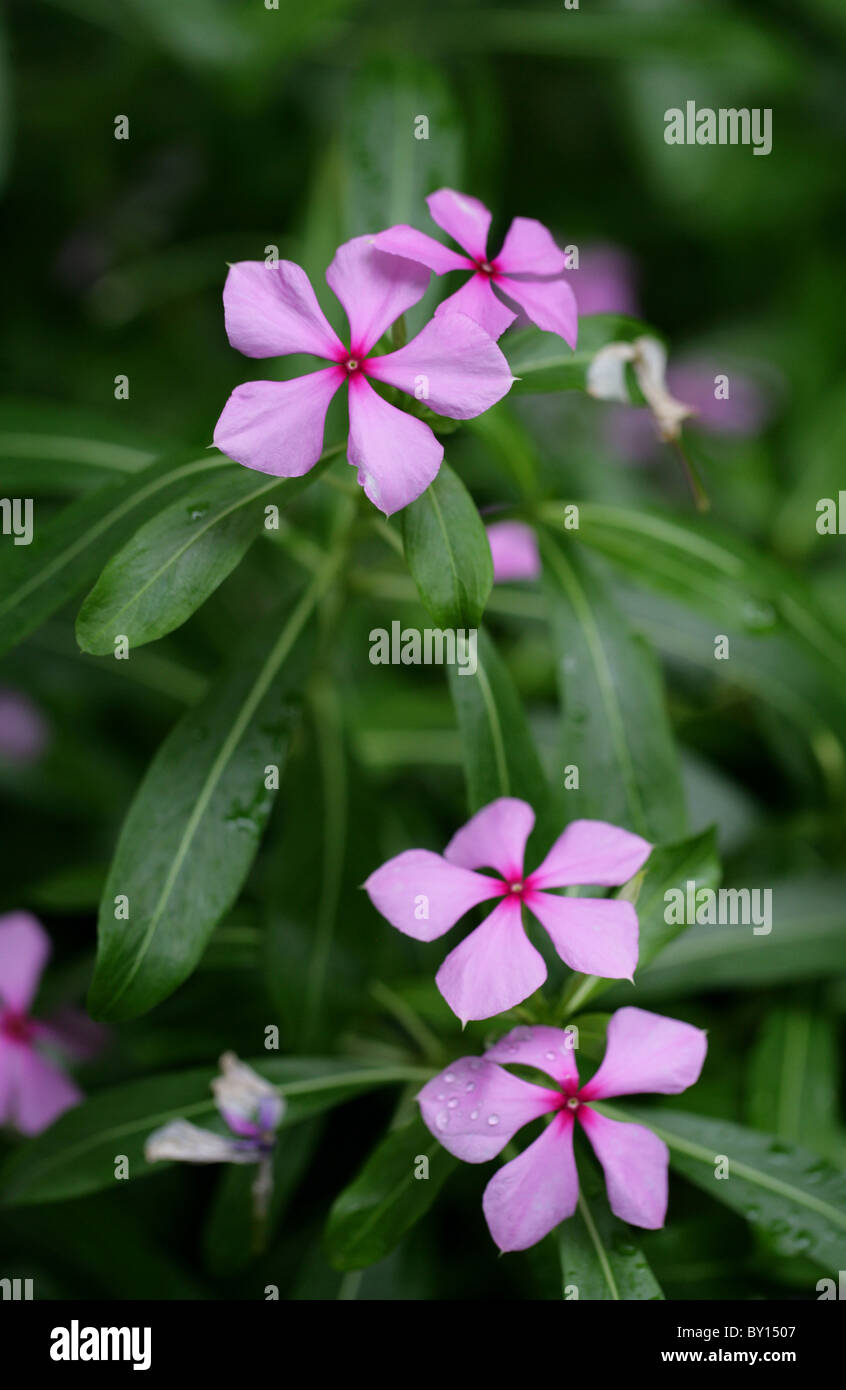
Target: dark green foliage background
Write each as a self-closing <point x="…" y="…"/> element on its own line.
<point x="252" y="127"/>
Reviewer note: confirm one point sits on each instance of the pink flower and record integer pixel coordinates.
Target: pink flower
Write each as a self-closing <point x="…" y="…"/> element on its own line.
<point x="277" y="426"/>
<point x="496" y="966"/>
<point x="33" y="1091"/>
<point x="475" y="1107"/>
<point x="528" y="269"/>
<point x="605" y="281"/>
<point x="514" y="549"/>
<point x="23" y="731"/>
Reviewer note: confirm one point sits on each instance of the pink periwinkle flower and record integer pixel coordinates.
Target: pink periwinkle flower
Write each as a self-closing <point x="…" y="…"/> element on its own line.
<point x="527" y="270"/>
<point x="496" y="967"/>
<point x="277" y="426"/>
<point x="514" y="549"/>
<point x="475" y="1107"/>
<point x="33" y="1090"/>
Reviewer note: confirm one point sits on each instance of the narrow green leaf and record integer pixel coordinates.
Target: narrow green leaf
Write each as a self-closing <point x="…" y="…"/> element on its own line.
<point x="668" y="867"/>
<point x="689" y="561"/>
<point x="390" y="162"/>
<point x="544" y="362"/>
<point x="77" y="1154"/>
<point x="500" y="757"/>
<point x="805" y="943"/>
<point x="67" y="552"/>
<point x="797" y="1198"/>
<point x="173" y="563"/>
<point x="53" y="448"/>
<point x="599" y="1258"/>
<point x="794" y="1079"/>
<point x="448" y="552"/>
<point x="397" y="1185"/>
<point x="192" y="832"/>
<point x="615" y="727"/>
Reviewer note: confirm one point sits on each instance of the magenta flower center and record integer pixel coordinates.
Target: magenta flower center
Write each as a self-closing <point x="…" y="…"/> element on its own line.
<point x="351" y="365"/>
<point x="15" y="1027"/>
<point x="486" y="268"/>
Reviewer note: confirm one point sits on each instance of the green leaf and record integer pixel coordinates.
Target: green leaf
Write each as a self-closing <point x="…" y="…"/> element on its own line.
<point x="544" y="362"/>
<point x="500" y="758"/>
<point x="599" y="1259"/>
<point x="67" y="552"/>
<point x="689" y="561"/>
<point x="46" y="447"/>
<point x="805" y="943"/>
<point x="794" y="1079"/>
<point x="389" y="168"/>
<point x="447" y="550"/>
<point x="194" y="827"/>
<point x="717" y="574"/>
<point x="615" y="727"/>
<point x="388" y="1196"/>
<point x="792" y="1195"/>
<point x="173" y="563"/>
<point x="668" y="867"/>
<point x="77" y="1154"/>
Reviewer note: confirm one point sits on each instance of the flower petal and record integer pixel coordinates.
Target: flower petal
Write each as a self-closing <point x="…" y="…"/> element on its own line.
<point x="396" y="455"/>
<point x="406" y="241"/>
<point x="548" y="1049"/>
<point x="605" y="282"/>
<point x="453" y="365"/>
<point x="243" y="1097"/>
<point x="465" y="219"/>
<point x="374" y="288"/>
<point x="533" y="1193"/>
<point x="474" y="1107"/>
<point x="182" y="1142"/>
<point x="277" y="426"/>
<point x="514" y="548"/>
<point x="37" y="1093"/>
<point x="592" y="852"/>
<point x="647" y="1052"/>
<point x="7" y="1076"/>
<point x="495" y="838"/>
<point x="73" y="1033"/>
<point x="635" y="1163"/>
<point x="597" y="936"/>
<point x="24" y="733"/>
<point x="551" y="304"/>
<point x="271" y="310"/>
<point x="477" y="300"/>
<point x="422" y="895"/>
<point x="529" y="249"/>
<point x="24" y="950"/>
<point x="494" y="968"/>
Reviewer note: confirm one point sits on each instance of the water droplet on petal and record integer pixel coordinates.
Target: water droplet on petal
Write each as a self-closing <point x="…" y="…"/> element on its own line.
<point x="449" y="1077"/>
<point x="474" y="1114"/>
<point x="451" y="1104"/>
<point x="493" y="1119"/>
<point x="471" y="1086"/>
<point x="442" y="1120"/>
